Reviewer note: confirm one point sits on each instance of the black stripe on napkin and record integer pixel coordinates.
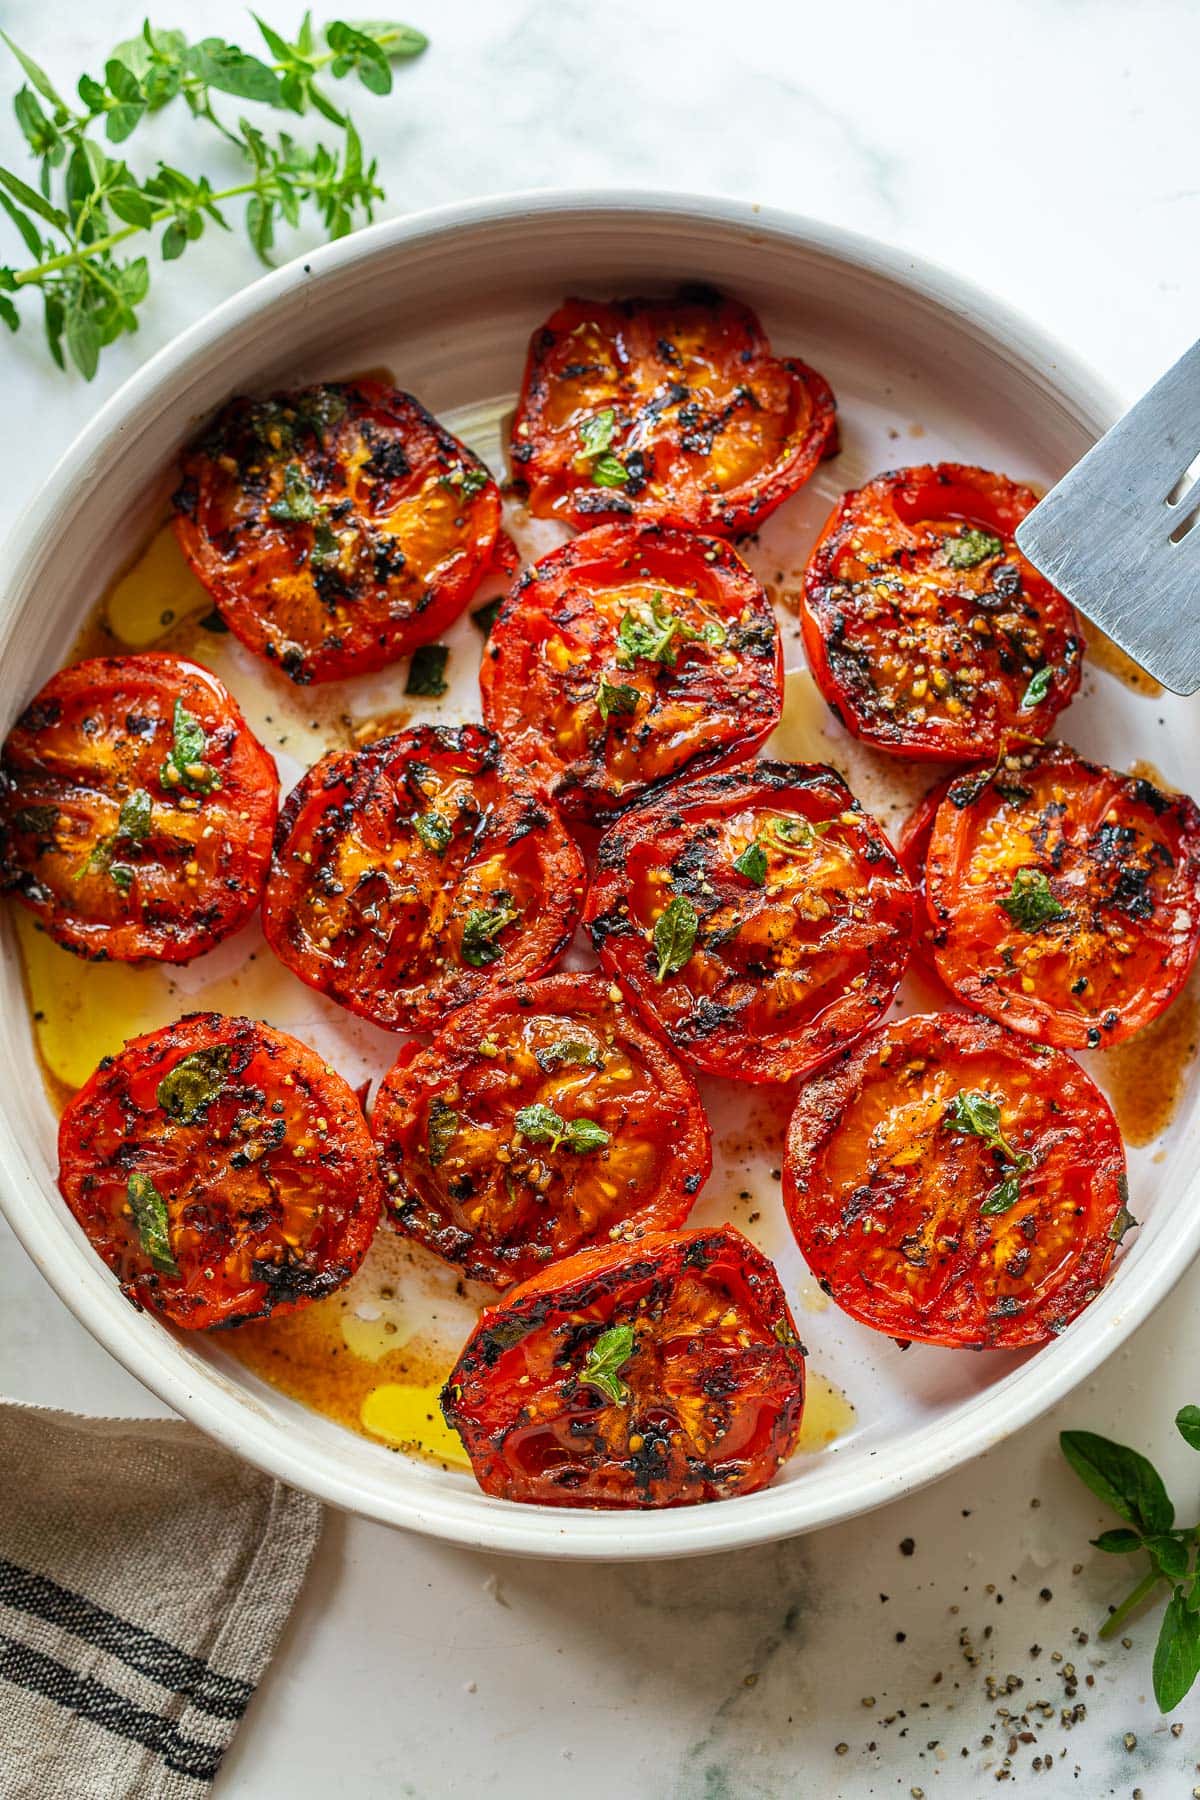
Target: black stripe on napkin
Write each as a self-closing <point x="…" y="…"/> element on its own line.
<point x="40" y="1674"/>
<point x="221" y="1696"/>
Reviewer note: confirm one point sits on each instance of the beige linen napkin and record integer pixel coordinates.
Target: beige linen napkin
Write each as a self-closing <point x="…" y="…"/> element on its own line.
<point x="145" y="1576"/>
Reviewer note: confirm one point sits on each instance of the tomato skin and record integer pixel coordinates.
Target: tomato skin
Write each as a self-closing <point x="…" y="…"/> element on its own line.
<point x="714" y="1385"/>
<point x="389" y="525"/>
<point x="784" y="973"/>
<point x="920" y="658"/>
<point x="97" y="735"/>
<point x="912" y="849"/>
<point x="270" y="1189"/>
<point x="715" y="705"/>
<point x="660" y="1146"/>
<point x="885" y="1200"/>
<point x="350" y="866"/>
<point x="713" y="430"/>
<point x="1119" y="859"/>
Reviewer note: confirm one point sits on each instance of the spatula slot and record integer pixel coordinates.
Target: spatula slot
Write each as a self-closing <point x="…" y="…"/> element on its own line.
<point x="1185" y="484"/>
<point x="1186" y="525"/>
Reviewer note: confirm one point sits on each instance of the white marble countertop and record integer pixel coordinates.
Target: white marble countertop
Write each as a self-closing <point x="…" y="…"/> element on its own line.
<point x="1048" y="151"/>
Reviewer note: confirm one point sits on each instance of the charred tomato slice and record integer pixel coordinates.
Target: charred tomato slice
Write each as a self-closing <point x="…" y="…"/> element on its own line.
<point x="221" y="1170"/>
<point x="538" y="1121"/>
<point x="136" y="809"/>
<point x="1064" y="896"/>
<point x="758" y="918"/>
<point x="337" y="528"/>
<point x="950" y="1184"/>
<point x="670" y="411"/>
<point x="925" y="628"/>
<point x="413" y="874"/>
<point x="657" y="1375"/>
<point x="629" y="655"/>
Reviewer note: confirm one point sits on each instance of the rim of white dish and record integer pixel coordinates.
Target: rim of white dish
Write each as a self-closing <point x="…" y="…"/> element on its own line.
<point x="468" y="1517"/>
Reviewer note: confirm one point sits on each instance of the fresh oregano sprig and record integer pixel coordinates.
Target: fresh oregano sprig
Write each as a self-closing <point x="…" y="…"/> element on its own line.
<point x="89" y="208"/>
<point x="1131" y="1485"/>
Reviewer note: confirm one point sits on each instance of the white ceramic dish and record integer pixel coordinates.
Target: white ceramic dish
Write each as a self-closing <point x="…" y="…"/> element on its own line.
<point x="923" y="367"/>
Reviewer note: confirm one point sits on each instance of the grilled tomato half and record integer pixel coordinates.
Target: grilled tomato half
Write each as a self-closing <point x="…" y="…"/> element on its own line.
<point x="951" y="1184"/>
<point x="412" y="874"/>
<point x="336" y="528"/>
<point x="671" y="411"/>
<point x="758" y="918"/>
<point x="925" y="628"/>
<point x="1064" y="897"/>
<point x="657" y="1374"/>
<point x="629" y="655"/>
<point x="539" y="1120"/>
<point x="221" y="1170"/>
<point x="136" y="809"/>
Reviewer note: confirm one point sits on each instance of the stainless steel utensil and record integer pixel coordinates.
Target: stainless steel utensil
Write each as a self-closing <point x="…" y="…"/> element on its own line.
<point x="1120" y="535"/>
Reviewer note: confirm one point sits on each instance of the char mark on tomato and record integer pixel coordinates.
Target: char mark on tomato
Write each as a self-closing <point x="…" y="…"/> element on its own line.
<point x="662" y="1374"/>
<point x="757" y="917"/>
<point x="1063" y="897"/>
<point x="629" y="656"/>
<point x="674" y="412"/>
<point x="221" y="1170"/>
<point x="414" y="874"/>
<point x="136" y="809"/>
<point x="337" y="528"/>
<point x="926" y="630"/>
<point x="951" y="1184"/>
<point x="540" y="1120"/>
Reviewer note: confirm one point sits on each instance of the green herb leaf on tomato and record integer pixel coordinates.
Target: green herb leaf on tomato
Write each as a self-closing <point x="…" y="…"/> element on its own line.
<point x="189" y="1088"/>
<point x="296" y="503"/>
<point x="1030" y="903"/>
<point x="482" y="927"/>
<point x="434" y="830"/>
<point x="441" y="1130"/>
<point x="542" y="1125"/>
<point x="675" y="936"/>
<point x="567" y="1051"/>
<point x="972" y="547"/>
<point x="185" y="765"/>
<point x="1038" y="688"/>
<point x="615" y="697"/>
<point x="606" y="1357"/>
<point x="150" y="1218"/>
<point x="752" y="863"/>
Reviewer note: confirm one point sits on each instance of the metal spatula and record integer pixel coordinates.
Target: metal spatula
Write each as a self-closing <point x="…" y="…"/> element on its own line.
<point x="1120" y="535"/>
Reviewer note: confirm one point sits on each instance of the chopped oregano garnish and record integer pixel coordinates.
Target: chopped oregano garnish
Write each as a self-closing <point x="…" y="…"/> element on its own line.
<point x="794" y="836"/>
<point x="467" y="480"/>
<point x="187" y="1091"/>
<point x="427" y="672"/>
<point x="1029" y="902"/>
<point x="149" y="1211"/>
<point x="674" y="936"/>
<point x="482" y="927"/>
<point x="1129" y="1483"/>
<point x="133" y="827"/>
<point x="597" y="431"/>
<point x="441" y="1130"/>
<point x="976" y="1114"/>
<point x="615" y="697"/>
<point x="434" y="830"/>
<point x="972" y="547"/>
<point x="606" y="1357"/>
<point x="752" y="863"/>
<point x="185" y="765"/>
<point x="655" y="633"/>
<point x="609" y="471"/>
<point x="565" y="1051"/>
<point x="542" y="1125"/>
<point x="296" y="504"/>
<point x="1038" y="688"/>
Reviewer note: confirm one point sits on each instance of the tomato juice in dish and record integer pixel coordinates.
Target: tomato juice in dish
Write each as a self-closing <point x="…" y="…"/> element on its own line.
<point x="375" y="1354"/>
